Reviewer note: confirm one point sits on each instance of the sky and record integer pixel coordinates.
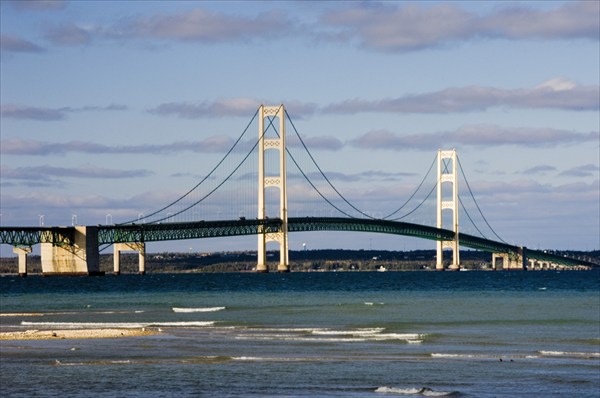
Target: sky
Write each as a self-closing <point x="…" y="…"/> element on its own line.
<point x="111" y="109"/>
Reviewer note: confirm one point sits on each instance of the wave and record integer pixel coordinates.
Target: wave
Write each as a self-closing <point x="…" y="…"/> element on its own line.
<point x="373" y="334"/>
<point x="147" y="361"/>
<point x="271" y="359"/>
<point x="108" y="362"/>
<point x="201" y="309"/>
<point x="355" y="332"/>
<point x="570" y="354"/>
<point x="328" y="335"/>
<point x="424" y="391"/>
<point x="463" y="356"/>
<point x="22" y="314"/>
<point x="482" y="356"/>
<point x="303" y="339"/>
<point x="123" y="325"/>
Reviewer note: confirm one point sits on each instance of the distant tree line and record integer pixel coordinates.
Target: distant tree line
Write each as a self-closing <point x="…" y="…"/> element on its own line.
<point x="300" y="261"/>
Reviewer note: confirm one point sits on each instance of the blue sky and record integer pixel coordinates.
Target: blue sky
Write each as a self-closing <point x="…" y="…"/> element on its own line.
<point x="115" y="107"/>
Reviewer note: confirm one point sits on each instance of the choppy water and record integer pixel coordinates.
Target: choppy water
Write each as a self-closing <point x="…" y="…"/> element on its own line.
<point x="467" y="334"/>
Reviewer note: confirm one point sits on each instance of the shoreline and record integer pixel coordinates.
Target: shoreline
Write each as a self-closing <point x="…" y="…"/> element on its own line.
<point x="61" y="334"/>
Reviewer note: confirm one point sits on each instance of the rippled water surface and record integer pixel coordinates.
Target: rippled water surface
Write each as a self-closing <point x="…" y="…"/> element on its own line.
<point x="471" y="334"/>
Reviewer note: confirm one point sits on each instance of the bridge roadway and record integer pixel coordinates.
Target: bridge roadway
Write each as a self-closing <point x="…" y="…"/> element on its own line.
<point x="126" y="233"/>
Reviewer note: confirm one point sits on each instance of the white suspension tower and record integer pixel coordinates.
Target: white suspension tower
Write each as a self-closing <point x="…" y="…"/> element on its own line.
<point x="447" y="175"/>
<point x="277" y="181"/>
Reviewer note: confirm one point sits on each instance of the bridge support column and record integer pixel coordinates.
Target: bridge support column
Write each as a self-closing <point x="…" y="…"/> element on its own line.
<point x="276" y="142"/>
<point x="136" y="247"/>
<point x="22" y="252"/>
<point x="499" y="256"/>
<point x="74" y="251"/>
<point x="447" y="173"/>
<point x="511" y="261"/>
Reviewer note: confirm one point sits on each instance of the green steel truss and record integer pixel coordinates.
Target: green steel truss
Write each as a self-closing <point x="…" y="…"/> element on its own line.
<point x="130" y="233"/>
<point x="187" y="230"/>
<point x="29" y="236"/>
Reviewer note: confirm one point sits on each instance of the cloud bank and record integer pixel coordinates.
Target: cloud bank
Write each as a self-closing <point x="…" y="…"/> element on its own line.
<point x="14" y="44"/>
<point x="386" y="27"/>
<point x="557" y="93"/>
<point x="85" y="171"/>
<point x="41" y="148"/>
<point x="37" y="5"/>
<point x="411" y="27"/>
<point x="25" y="112"/>
<point x="474" y="135"/>
<point x="240" y="106"/>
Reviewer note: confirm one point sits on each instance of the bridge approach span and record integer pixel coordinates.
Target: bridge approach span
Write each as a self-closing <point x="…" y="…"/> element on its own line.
<point x="141" y="233"/>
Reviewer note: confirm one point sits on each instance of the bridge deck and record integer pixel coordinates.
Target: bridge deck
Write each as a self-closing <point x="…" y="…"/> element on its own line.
<point x="109" y="234"/>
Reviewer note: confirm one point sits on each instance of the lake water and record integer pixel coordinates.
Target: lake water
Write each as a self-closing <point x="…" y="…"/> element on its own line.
<point x="467" y="334"/>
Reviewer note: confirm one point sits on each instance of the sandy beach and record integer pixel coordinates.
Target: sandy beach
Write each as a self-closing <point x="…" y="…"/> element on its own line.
<point x="76" y="334"/>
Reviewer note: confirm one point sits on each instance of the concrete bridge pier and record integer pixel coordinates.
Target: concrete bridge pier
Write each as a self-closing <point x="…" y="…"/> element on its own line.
<point x="73" y="251"/>
<point x="510" y="261"/>
<point x="22" y="252"/>
<point x="139" y="247"/>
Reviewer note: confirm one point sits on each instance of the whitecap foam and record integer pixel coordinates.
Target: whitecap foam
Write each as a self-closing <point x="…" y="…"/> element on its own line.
<point x="427" y="392"/>
<point x="395" y="390"/>
<point x="201" y="309"/>
<point x="464" y="356"/>
<point x="303" y="339"/>
<point x="355" y="332"/>
<point x="327" y="335"/>
<point x="397" y="336"/>
<point x="496" y="357"/>
<point x="570" y="354"/>
<point x="111" y="362"/>
<point x="274" y="359"/>
<point x="293" y="330"/>
<point x="371" y="334"/>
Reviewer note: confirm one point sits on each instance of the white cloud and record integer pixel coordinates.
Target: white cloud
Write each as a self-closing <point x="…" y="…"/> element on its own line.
<point x="557" y="84"/>
<point x="575" y="19"/>
<point x="409" y="27"/>
<point x="38" y="5"/>
<point x="227" y="107"/>
<point x="321" y="142"/>
<point x="218" y="108"/>
<point x="69" y="34"/>
<point x="26" y="112"/>
<point x="41" y="148"/>
<point x="586" y="170"/>
<point x="539" y="170"/>
<point x="31" y="113"/>
<point x="84" y="171"/>
<point x="558" y="93"/>
<point x="390" y="27"/>
<point x="202" y="25"/>
<point x="474" y="135"/>
<point x="9" y="43"/>
<point x="213" y="144"/>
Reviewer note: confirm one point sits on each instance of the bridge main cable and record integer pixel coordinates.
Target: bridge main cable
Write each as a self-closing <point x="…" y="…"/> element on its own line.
<point x="203" y="180"/>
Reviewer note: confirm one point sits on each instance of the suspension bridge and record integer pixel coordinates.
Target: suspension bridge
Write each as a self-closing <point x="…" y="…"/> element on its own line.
<point x="75" y="250"/>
